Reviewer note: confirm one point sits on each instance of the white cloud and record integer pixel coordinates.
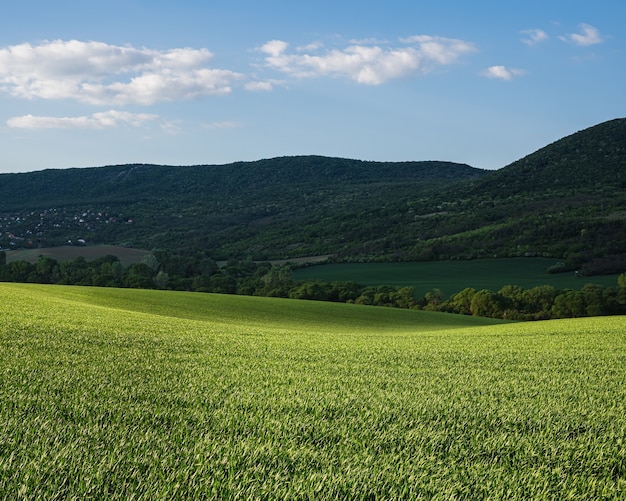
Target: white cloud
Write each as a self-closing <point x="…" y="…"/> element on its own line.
<point x="310" y="47"/>
<point x="589" y="36"/>
<point x="102" y="120"/>
<point x="534" y="36"/>
<point x="503" y="73"/>
<point x="259" y="86"/>
<point x="274" y="47"/>
<point x="110" y="75"/>
<point x="368" y="64"/>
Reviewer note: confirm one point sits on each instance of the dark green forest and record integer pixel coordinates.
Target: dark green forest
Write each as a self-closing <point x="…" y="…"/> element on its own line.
<point x="270" y="209"/>
<point x="567" y="201"/>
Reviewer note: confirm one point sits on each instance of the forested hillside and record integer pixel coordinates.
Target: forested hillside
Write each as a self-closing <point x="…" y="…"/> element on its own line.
<point x="272" y="208"/>
<point x="567" y="200"/>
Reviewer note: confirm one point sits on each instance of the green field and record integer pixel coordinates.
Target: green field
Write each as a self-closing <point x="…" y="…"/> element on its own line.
<point x="454" y="276"/>
<point x="134" y="394"/>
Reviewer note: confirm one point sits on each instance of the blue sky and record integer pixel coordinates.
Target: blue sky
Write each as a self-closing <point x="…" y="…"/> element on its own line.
<point x="213" y="82"/>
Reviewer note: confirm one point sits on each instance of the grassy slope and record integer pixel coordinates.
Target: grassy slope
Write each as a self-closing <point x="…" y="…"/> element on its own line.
<point x="267" y="313"/>
<point x="454" y="276"/>
<point x="114" y="393"/>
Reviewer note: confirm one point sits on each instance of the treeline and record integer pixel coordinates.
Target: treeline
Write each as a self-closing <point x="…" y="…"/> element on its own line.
<point x="198" y="273"/>
<point x="538" y="303"/>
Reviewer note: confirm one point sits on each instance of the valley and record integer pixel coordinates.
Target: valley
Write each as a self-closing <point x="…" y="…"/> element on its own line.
<point x="111" y="388"/>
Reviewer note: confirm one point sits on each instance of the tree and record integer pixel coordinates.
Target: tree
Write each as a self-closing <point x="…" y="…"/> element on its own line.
<point x="621" y="290"/>
<point x="367" y="296"/>
<point x="433" y="298"/>
<point x="344" y="292"/>
<point x="462" y="301"/>
<point x="46" y="270"/>
<point x="276" y="276"/>
<point x="487" y="304"/>
<point x="139" y="276"/>
<point x="267" y="280"/>
<point x="19" y="271"/>
<point x="222" y="284"/>
<point x="151" y="261"/>
<point x="539" y="300"/>
<point x="74" y="272"/>
<point x="595" y="300"/>
<point x="161" y="280"/>
<point x="513" y="297"/>
<point x="384" y="295"/>
<point x="404" y="297"/>
<point x="107" y="272"/>
<point x="569" y="304"/>
<point x="317" y="290"/>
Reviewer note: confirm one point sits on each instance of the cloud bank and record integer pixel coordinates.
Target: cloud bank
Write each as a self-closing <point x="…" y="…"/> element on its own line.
<point x="367" y="64"/>
<point x="106" y="75"/>
<point x="102" y="74"/>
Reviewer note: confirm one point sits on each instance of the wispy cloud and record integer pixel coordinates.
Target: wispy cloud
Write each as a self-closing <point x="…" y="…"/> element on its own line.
<point x="221" y="125"/>
<point x="365" y="63"/>
<point x="589" y="35"/>
<point x="503" y="73"/>
<point x="534" y="36"/>
<point x="110" y="75"/>
<point x="259" y="86"/>
<point x="103" y="120"/>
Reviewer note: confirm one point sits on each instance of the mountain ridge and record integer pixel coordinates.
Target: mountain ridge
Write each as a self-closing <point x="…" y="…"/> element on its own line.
<point x="579" y="153"/>
<point x="97" y="182"/>
<point x="287" y="207"/>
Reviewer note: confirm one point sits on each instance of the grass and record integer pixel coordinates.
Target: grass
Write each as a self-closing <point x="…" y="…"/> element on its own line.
<point x="129" y="394"/>
<point x="453" y="276"/>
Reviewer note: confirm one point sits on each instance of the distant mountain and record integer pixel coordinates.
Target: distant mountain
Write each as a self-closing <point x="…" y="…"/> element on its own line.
<point x="264" y="209"/>
<point x="141" y="182"/>
<point x="567" y="200"/>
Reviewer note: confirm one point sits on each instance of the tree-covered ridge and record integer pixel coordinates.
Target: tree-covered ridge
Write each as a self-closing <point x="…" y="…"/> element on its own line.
<point x="566" y="200"/>
<point x="591" y="161"/>
<point x="260" y="208"/>
<point x="285" y="176"/>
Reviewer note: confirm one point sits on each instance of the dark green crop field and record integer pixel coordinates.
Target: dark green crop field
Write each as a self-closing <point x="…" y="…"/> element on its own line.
<point x="454" y="276"/>
<point x="134" y="394"/>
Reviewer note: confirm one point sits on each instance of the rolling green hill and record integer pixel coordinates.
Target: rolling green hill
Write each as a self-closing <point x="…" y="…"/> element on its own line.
<point x="130" y="394"/>
<point x="566" y="200"/>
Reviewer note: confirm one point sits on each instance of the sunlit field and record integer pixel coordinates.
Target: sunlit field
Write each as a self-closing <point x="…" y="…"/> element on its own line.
<point x="131" y="394"/>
